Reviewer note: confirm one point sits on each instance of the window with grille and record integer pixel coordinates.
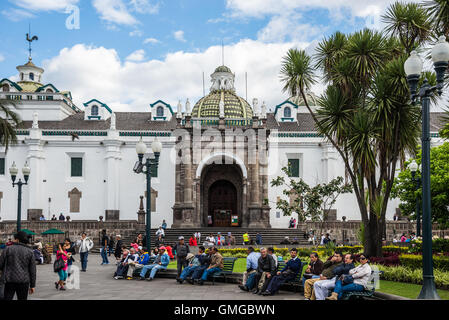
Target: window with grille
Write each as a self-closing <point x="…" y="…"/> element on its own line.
<point x="94" y="111"/>
<point x="160" y="112"/>
<point x="287" y="112"/>
<point x="293" y="168"/>
<point x="76" y="167"/>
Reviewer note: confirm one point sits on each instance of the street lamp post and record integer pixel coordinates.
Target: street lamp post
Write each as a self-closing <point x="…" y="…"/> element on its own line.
<point x="413" y="68"/>
<point x="26" y="174"/>
<point x="413" y="166"/>
<point x="139" y="167"/>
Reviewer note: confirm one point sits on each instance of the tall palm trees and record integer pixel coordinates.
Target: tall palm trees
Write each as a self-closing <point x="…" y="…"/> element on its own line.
<point x="365" y="111"/>
<point x="8" y="123"/>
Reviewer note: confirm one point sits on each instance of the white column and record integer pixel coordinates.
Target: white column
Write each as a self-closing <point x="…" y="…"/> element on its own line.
<point x="35" y="159"/>
<point x="112" y="157"/>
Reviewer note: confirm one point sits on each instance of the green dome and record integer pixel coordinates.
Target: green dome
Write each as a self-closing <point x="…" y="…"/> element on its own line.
<point x="234" y="106"/>
<point x="223" y="69"/>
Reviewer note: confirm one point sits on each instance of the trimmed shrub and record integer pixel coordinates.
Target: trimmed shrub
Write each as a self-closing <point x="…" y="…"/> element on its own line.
<point x="414" y="261"/>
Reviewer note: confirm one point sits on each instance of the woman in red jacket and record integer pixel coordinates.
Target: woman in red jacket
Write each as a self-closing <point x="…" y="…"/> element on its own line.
<point x="192" y="241"/>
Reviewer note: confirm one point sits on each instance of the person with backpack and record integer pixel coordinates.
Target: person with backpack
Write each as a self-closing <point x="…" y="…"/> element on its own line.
<point x="181" y="250"/>
<point x="18" y="268"/>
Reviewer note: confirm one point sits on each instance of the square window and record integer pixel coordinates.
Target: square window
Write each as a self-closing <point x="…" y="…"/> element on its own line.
<point x="293" y="168"/>
<point x="76" y="167"/>
<point x="2" y="166"/>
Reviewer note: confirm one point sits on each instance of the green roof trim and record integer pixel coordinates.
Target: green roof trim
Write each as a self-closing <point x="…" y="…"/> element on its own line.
<point x="164" y="103"/>
<point x="15" y="85"/>
<point x="100" y="103"/>
<point x="40" y="89"/>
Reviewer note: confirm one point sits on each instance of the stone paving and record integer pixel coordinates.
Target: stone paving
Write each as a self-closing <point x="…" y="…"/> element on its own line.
<point x="98" y="284"/>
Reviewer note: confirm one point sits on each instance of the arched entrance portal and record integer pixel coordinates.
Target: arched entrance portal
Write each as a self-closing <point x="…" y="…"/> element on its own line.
<point x="222" y="203"/>
<point x="221" y="195"/>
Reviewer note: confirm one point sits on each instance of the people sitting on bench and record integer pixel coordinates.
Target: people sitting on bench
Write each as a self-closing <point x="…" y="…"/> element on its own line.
<point x="143" y="260"/>
<point x="266" y="270"/>
<point x="216" y="265"/>
<point x="356" y="280"/>
<point x="193" y="265"/>
<point x="198" y="272"/>
<point x="314" y="269"/>
<point x="289" y="272"/>
<point x="328" y="268"/>
<point x="160" y="263"/>
<point x="251" y="268"/>
<point x="123" y="267"/>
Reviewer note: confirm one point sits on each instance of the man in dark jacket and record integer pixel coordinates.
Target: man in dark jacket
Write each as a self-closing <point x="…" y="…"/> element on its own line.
<point x="290" y="271"/>
<point x="18" y="268"/>
<point x="118" y="247"/>
<point x="322" y="287"/>
<point x="266" y="269"/>
<point x="181" y="253"/>
<point x="314" y="269"/>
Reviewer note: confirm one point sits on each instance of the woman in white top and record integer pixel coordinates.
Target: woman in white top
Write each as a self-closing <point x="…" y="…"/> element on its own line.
<point x="360" y="276"/>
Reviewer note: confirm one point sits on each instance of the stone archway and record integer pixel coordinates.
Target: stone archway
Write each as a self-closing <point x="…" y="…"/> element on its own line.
<point x="217" y="178"/>
<point x="222" y="203"/>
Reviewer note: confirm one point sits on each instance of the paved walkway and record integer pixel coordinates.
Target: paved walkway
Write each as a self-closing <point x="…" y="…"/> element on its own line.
<point x="97" y="284"/>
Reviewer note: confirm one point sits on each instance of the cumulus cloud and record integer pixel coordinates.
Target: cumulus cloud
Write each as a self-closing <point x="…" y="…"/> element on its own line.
<point x="17" y="14"/>
<point x="136" y="33"/>
<point x="151" y="41"/>
<point x="44" y="5"/>
<point x="2" y="58"/>
<point x="144" y="6"/>
<point x="138" y="55"/>
<point x="179" y="35"/>
<point x="131" y="85"/>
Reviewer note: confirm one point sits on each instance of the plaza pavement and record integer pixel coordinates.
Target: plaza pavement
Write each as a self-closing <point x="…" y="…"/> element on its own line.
<point x="98" y="284"/>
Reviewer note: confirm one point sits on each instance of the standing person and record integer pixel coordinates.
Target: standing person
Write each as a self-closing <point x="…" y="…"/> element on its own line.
<point x="164" y="224"/>
<point x="54" y="218"/>
<point x="192" y="241"/>
<point x="118" y="247"/>
<point x="62" y="273"/>
<point x="181" y="253"/>
<point x="61" y="217"/>
<point x="258" y="238"/>
<point x="70" y="249"/>
<point x="111" y="245"/>
<point x="18" y="268"/>
<point x="246" y="238"/>
<point x="104" y="247"/>
<point x="198" y="237"/>
<point x="85" y="244"/>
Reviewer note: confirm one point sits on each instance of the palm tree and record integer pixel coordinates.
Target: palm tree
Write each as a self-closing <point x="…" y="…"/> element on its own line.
<point x="8" y="124"/>
<point x="439" y="14"/>
<point x="365" y="111"/>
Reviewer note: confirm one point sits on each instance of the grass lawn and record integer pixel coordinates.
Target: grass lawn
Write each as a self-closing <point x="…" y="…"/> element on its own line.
<point x="407" y="290"/>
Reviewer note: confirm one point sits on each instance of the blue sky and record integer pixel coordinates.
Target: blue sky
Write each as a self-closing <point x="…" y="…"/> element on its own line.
<point x="132" y="52"/>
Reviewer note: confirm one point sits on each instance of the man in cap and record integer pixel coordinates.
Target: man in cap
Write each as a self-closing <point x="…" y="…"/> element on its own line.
<point x="160" y="262"/>
<point x="143" y="260"/>
<point x="181" y="250"/>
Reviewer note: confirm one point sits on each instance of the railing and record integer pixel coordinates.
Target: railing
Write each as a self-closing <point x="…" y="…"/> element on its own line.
<point x="215" y="122"/>
<point x="38" y="96"/>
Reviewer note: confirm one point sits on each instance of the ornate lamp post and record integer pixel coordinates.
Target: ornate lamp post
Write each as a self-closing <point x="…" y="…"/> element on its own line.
<point x="413" y="68"/>
<point x="26" y="173"/>
<point x="139" y="167"/>
<point x="413" y="166"/>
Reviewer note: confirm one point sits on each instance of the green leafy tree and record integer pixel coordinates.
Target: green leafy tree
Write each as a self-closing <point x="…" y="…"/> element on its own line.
<point x="405" y="188"/>
<point x="365" y="112"/>
<point x="309" y="202"/>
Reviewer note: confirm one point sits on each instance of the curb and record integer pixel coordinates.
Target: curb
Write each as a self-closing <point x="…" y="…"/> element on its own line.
<point x="387" y="296"/>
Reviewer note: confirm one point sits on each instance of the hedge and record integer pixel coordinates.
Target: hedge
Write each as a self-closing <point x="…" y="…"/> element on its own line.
<point x="439" y="245"/>
<point x="236" y="252"/>
<point x="413" y="261"/>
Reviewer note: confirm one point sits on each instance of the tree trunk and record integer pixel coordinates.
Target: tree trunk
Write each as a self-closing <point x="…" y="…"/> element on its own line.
<point x="373" y="238"/>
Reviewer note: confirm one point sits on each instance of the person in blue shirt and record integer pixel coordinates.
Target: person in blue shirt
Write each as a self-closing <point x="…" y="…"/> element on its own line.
<point x="251" y="268"/>
<point x="160" y="262"/>
<point x="258" y="239"/>
<point x="193" y="265"/>
<point x="143" y="260"/>
<point x="289" y="272"/>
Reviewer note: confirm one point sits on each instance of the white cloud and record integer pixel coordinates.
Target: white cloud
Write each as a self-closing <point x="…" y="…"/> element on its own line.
<point x="144" y="6"/>
<point x="2" y="58"/>
<point x="17" y="14"/>
<point x="137" y="56"/>
<point x="114" y="12"/>
<point x="151" y="41"/>
<point x="179" y="35"/>
<point x="136" y="33"/>
<point x="98" y="72"/>
<point x="44" y="5"/>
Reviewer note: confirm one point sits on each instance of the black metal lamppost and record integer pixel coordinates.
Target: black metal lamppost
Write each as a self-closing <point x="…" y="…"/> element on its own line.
<point x="413" y="68"/>
<point x="26" y="173"/>
<point x="148" y="165"/>
<point x="413" y="167"/>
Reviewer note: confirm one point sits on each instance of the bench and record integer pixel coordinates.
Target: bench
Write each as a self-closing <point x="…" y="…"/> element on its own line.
<point x="295" y="282"/>
<point x="228" y="267"/>
<point x="367" y="293"/>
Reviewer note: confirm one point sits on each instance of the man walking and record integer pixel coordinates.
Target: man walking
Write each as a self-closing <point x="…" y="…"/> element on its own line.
<point x="104" y="247"/>
<point x="85" y="244"/>
<point x="18" y="268"/>
<point x="181" y="253"/>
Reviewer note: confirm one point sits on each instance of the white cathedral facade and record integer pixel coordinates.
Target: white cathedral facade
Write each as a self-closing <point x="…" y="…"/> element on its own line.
<point x="82" y="157"/>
